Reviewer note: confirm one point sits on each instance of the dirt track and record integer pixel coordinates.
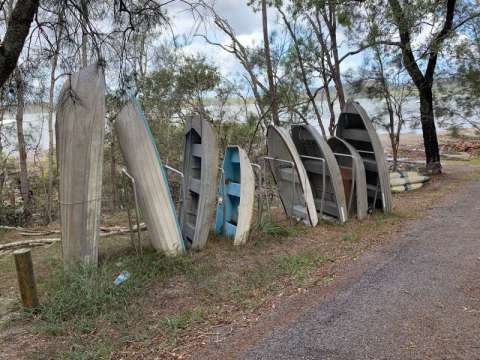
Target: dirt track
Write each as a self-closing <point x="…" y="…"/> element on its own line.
<point x="415" y="298"/>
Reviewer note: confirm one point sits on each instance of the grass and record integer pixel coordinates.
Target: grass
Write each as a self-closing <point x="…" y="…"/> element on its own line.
<point x="300" y="266"/>
<point x="474" y="162"/>
<point x="75" y="298"/>
<point x="271" y="228"/>
<point x="166" y="298"/>
<point x="80" y="300"/>
<point x="174" y="324"/>
<point x="350" y="237"/>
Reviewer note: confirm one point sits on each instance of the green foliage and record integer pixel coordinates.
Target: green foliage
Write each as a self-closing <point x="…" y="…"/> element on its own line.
<point x="196" y="76"/>
<point x="459" y="101"/>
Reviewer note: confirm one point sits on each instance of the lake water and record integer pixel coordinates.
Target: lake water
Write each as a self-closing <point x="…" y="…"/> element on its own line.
<point x="36" y="127"/>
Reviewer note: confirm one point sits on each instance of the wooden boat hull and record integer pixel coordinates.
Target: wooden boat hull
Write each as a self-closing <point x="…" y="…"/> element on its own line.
<point x="290" y="176"/>
<point x="144" y="164"/>
<point x="356" y="128"/>
<point x="200" y="169"/>
<point x="80" y="121"/>
<point x="353" y="176"/>
<point x="237" y="196"/>
<point x="325" y="178"/>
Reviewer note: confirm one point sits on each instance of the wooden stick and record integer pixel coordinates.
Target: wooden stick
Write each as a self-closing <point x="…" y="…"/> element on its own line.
<point x="26" y="278"/>
<point x="47" y="241"/>
<point x="27" y="243"/>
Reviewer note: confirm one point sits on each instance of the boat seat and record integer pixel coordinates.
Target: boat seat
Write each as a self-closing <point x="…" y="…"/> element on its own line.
<point x="300" y="211"/>
<point x="356" y="135"/>
<point x="230" y="229"/>
<point x="329" y="207"/>
<point x="233" y="188"/>
<point x="372" y="188"/>
<point x="315" y="167"/>
<point x="197" y="150"/>
<point x="189" y="230"/>
<point x="235" y="158"/>
<point x="370" y="164"/>
<point x="195" y="185"/>
<point x="286" y="174"/>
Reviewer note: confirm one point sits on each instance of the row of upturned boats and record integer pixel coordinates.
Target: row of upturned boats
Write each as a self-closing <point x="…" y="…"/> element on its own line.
<point x="337" y="178"/>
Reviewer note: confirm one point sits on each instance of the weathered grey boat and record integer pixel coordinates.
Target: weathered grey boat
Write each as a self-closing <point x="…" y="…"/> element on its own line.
<point x="356" y="128"/>
<point x="144" y="164"/>
<point x="236" y="196"/>
<point x="322" y="170"/>
<point x="80" y="122"/>
<point x="199" y="191"/>
<point x="290" y="176"/>
<point x="352" y="172"/>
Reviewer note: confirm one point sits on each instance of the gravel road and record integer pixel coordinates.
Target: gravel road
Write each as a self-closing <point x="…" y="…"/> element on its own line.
<point x="417" y="299"/>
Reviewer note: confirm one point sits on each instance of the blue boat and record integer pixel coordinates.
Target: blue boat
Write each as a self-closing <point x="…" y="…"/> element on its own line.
<point x="236" y="195"/>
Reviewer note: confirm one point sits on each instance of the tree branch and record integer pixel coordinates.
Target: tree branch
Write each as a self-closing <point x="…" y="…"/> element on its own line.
<point x="18" y="28"/>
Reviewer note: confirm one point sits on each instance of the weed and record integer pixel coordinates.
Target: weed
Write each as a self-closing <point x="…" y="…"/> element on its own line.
<point x="183" y="320"/>
<point x="275" y="229"/>
<point x="92" y="352"/>
<point x="328" y="279"/>
<point x="351" y="238"/>
<point x="176" y="323"/>
<point x="381" y="218"/>
<point x="75" y="298"/>
<point x="301" y="266"/>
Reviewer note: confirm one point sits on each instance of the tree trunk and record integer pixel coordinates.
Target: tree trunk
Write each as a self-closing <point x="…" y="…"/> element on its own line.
<point x="392" y="134"/>
<point x="84" y="19"/>
<point x="271" y="82"/>
<point x="18" y="28"/>
<point x="113" y="173"/>
<point x="51" y="110"/>
<point x="22" y="151"/>
<point x="336" y="73"/>
<point x="429" y="130"/>
<point x="303" y="72"/>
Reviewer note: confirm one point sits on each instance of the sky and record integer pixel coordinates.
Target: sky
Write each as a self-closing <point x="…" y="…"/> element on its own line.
<point x="246" y="24"/>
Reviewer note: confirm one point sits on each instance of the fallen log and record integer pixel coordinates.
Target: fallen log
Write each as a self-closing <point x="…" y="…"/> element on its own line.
<point x="103" y="230"/>
<point x="40" y="233"/>
<point x="4" y="248"/>
<point x="28" y="243"/>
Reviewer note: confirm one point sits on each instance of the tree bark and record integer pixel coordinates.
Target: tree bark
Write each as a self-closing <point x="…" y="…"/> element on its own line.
<point x="429" y="130"/>
<point x="22" y="151"/>
<point x="271" y="82"/>
<point x="84" y="17"/>
<point x="324" y="62"/>
<point x="424" y="82"/>
<point x="51" y="110"/>
<point x="331" y="21"/>
<point x="18" y="27"/>
<point x="113" y="173"/>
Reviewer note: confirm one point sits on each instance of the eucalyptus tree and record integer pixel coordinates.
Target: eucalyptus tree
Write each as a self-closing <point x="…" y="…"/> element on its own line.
<point x="421" y="30"/>
<point x="459" y="102"/>
<point x="17" y="28"/>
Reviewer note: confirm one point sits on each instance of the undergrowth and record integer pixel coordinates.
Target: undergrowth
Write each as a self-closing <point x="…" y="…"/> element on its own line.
<point x="74" y="299"/>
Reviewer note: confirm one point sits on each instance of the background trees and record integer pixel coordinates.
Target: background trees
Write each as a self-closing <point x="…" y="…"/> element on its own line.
<point x="309" y="57"/>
